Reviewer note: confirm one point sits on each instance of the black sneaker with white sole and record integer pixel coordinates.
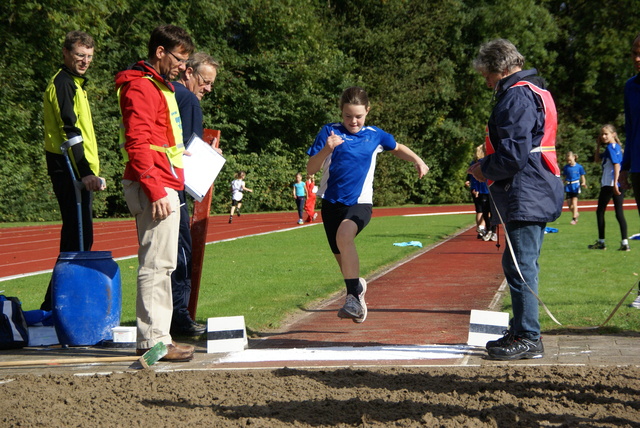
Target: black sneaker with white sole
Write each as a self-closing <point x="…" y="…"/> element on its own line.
<point x="503" y="341"/>
<point x="519" y="348"/>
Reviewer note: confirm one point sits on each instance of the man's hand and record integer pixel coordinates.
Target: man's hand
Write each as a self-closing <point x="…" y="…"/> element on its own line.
<point x="476" y="171"/>
<point x="93" y="183"/>
<point x="161" y="209"/>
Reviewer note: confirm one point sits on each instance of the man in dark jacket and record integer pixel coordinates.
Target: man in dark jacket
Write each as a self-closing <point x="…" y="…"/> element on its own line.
<point x="527" y="192"/>
<point x="194" y="82"/>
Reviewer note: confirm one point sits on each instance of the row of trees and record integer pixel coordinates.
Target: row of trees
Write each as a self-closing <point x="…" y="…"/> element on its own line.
<point x="285" y="62"/>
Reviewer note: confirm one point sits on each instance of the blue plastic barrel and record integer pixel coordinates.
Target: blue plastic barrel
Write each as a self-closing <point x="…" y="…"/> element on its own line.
<point x="87" y="297"/>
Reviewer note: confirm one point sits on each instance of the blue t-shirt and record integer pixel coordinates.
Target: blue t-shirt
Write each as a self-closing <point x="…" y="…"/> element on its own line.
<point x="479" y="186"/>
<point x="611" y="156"/>
<point x="572" y="176"/>
<point x="300" y="189"/>
<point x="347" y="176"/>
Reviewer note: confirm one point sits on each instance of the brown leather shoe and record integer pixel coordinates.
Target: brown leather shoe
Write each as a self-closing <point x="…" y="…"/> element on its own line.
<point x="184" y="347"/>
<point x="174" y="353"/>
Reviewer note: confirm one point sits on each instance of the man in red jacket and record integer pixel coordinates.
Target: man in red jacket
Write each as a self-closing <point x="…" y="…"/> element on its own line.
<point x="151" y="138"/>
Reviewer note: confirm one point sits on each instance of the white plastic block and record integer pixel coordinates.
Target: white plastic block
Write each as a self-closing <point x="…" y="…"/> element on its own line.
<point x="226" y="334"/>
<point x="124" y="334"/>
<point x="485" y="326"/>
<point x="42" y="336"/>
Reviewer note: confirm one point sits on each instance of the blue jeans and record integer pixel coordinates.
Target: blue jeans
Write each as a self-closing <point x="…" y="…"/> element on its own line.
<point x="526" y="240"/>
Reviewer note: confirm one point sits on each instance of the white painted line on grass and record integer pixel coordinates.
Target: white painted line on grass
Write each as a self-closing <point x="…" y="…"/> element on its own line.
<point x="630" y="204"/>
<point x="446" y="213"/>
<point x="23" y="275"/>
<point x="263" y="233"/>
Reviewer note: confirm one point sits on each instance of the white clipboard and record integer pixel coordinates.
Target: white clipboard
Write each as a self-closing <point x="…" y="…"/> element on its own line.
<point x="201" y="168"/>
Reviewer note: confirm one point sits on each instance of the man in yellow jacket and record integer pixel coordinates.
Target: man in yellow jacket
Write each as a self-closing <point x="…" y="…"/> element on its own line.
<point x="68" y="126"/>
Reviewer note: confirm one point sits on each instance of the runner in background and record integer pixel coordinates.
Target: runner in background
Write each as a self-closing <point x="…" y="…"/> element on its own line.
<point x="237" y="189"/>
<point x="300" y="196"/>
<point x="310" y="204"/>
<point x="574" y="179"/>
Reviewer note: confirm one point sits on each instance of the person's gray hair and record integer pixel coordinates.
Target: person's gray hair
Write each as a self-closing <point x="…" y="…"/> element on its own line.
<point x="199" y="59"/>
<point x="497" y="56"/>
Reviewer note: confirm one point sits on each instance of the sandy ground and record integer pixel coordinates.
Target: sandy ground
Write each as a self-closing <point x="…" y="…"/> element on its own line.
<point x="503" y="396"/>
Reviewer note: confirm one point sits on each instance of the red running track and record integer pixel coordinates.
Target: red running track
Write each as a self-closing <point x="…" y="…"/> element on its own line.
<point x="31" y="249"/>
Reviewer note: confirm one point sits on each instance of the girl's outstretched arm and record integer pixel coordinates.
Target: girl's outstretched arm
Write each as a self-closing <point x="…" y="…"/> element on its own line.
<point x="405" y="153"/>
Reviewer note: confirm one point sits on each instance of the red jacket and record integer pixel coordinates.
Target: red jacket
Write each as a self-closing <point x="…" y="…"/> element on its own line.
<point x="146" y="122"/>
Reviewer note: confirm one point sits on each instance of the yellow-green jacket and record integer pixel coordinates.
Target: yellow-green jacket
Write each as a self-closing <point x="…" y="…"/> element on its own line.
<point x="67" y="116"/>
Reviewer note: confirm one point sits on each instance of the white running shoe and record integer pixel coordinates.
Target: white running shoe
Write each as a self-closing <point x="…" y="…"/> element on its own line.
<point x="355" y="307"/>
<point x="636" y="303"/>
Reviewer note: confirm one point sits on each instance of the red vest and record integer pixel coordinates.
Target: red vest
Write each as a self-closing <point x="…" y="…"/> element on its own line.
<point x="548" y="144"/>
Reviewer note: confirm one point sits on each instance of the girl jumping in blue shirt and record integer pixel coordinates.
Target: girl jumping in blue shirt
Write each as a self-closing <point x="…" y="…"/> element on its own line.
<point x="346" y="152"/>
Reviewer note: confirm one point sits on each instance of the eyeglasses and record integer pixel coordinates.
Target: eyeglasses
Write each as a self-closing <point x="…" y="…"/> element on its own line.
<point x="181" y="61"/>
<point x="82" y="57"/>
<point x="203" y="82"/>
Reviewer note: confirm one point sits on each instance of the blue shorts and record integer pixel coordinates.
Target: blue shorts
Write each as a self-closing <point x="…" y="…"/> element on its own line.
<point x="334" y="214"/>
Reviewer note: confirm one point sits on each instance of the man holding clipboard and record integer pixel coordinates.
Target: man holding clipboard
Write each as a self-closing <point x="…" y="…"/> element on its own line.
<point x="195" y="81"/>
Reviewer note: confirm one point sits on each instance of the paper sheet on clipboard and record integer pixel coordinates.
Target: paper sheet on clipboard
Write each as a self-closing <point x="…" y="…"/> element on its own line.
<point x="201" y="168"/>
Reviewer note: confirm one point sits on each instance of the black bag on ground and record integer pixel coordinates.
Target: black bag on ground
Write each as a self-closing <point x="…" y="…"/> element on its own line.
<point x="14" y="332"/>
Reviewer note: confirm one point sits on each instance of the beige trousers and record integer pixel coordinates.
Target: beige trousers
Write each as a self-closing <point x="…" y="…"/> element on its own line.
<point x="157" y="258"/>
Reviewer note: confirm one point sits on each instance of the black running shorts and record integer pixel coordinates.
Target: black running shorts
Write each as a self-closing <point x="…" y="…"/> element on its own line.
<point x="334" y="214"/>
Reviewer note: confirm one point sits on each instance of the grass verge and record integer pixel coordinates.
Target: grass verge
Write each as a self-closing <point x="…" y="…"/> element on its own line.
<point x="581" y="287"/>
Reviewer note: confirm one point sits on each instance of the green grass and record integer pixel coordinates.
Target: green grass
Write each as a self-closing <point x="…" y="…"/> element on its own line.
<point x="266" y="278"/>
<point x="581" y="287"/>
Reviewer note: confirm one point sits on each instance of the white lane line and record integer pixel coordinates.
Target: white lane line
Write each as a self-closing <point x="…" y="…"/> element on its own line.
<point x="348" y="353"/>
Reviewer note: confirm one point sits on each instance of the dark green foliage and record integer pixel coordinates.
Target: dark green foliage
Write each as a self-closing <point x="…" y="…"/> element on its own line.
<point x="285" y="63"/>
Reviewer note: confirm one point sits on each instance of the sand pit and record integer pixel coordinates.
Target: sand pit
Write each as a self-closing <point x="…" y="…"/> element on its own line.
<point x="496" y="396"/>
